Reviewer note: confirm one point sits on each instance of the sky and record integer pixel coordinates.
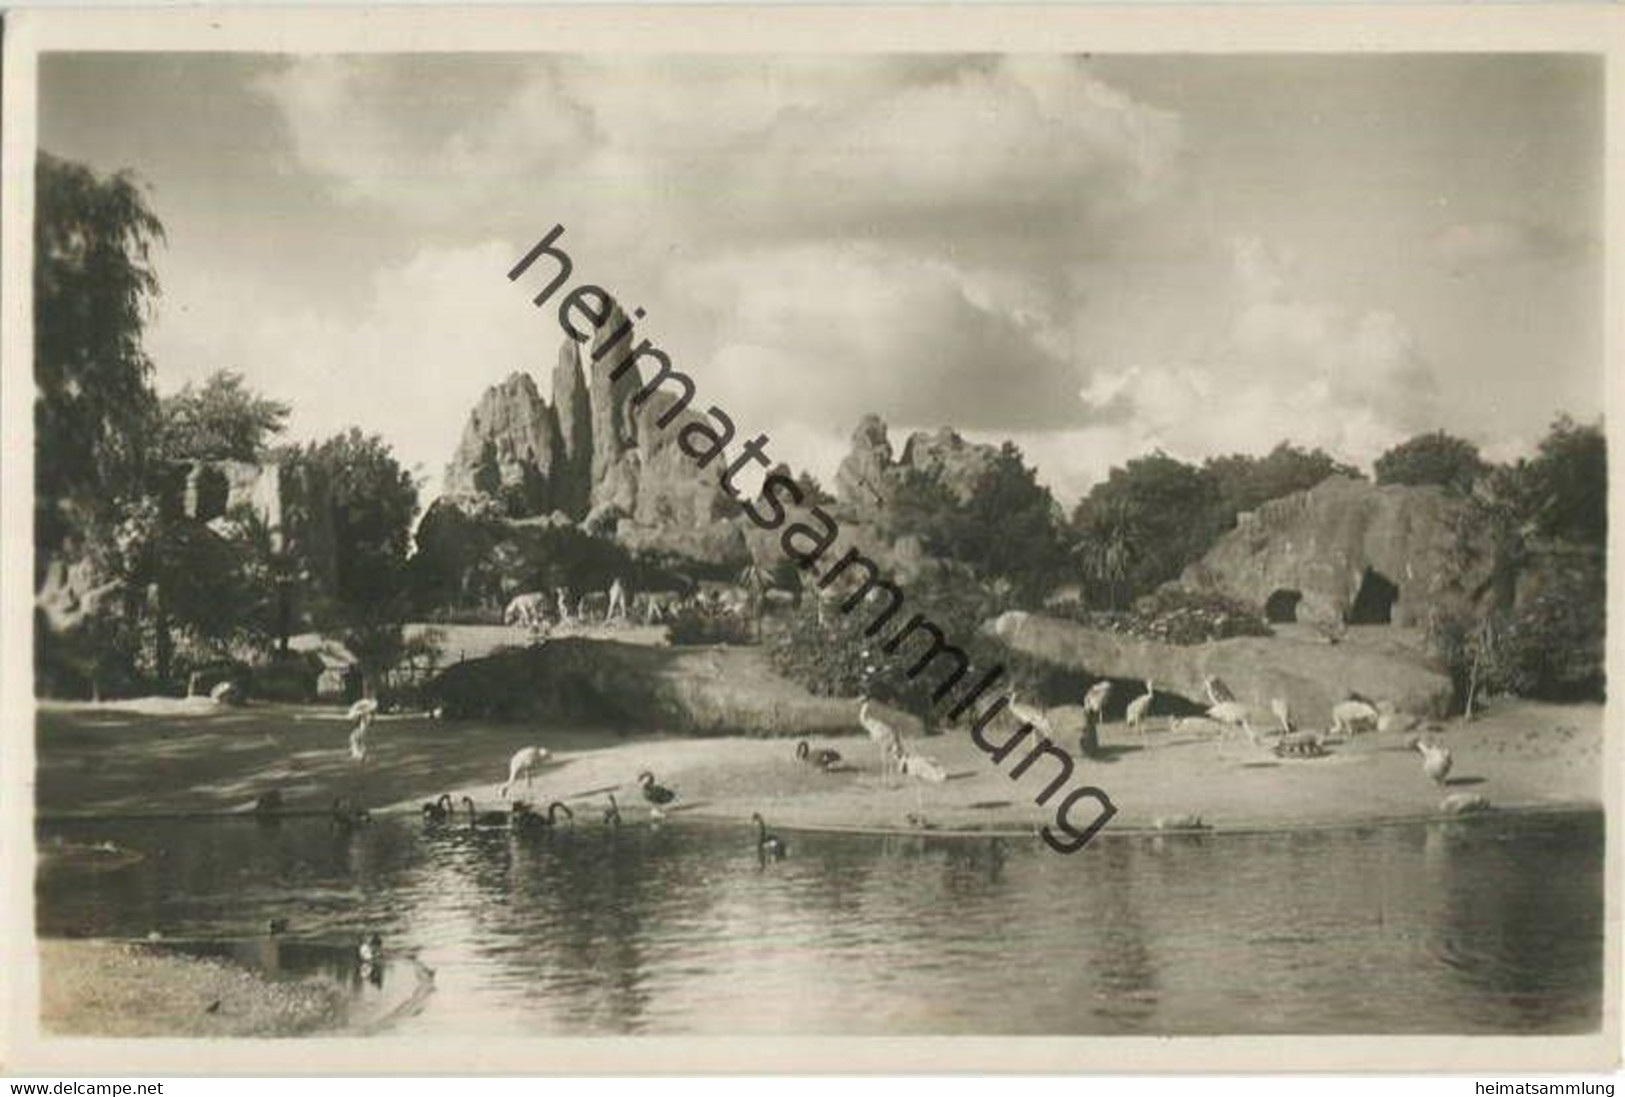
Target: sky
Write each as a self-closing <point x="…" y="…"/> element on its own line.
<point x="1094" y="256"/>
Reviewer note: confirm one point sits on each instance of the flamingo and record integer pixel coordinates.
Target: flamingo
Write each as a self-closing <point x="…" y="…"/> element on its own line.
<point x="1436" y="760"/>
<point x="1283" y="714"/>
<point x="767" y="843"/>
<point x="1095" y="700"/>
<point x="524" y="763"/>
<point x="1032" y="714"/>
<point x="887" y="739"/>
<point x="925" y="770"/>
<point x="1140" y="707"/>
<point x="823" y="758"/>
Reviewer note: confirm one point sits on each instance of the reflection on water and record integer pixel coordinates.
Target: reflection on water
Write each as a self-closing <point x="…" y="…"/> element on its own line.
<point x="1488" y="926"/>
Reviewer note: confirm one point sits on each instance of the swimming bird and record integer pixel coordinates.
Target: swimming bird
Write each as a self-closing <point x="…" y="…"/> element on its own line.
<point x="1140" y="707"/>
<point x="1033" y="715"/>
<point x="371" y="950"/>
<point x="887" y="739"/>
<point x="524" y="763"/>
<point x="1436" y="760"/>
<point x="437" y="810"/>
<point x="612" y="814"/>
<point x="346" y="816"/>
<point x="553" y="810"/>
<point x="268" y="803"/>
<point x="478" y="818"/>
<point x="1095" y="700"/>
<point x="653" y="793"/>
<point x="823" y="758"/>
<point x="768" y="844"/>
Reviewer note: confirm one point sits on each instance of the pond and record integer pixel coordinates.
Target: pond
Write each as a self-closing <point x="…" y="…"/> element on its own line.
<point x="1488" y="926"/>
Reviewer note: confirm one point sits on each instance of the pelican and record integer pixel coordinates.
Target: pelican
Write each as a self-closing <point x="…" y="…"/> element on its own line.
<point x="1032" y="714"/>
<point x="887" y="739"/>
<point x="767" y="843"/>
<point x="524" y="763"/>
<point x="1436" y="760"/>
<point x="1095" y="700"/>
<point x="1140" y="707"/>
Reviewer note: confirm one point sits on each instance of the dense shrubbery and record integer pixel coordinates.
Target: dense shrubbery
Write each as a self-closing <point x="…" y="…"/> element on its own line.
<point x="1177" y="615"/>
<point x="698" y="625"/>
<point x="1553" y="646"/>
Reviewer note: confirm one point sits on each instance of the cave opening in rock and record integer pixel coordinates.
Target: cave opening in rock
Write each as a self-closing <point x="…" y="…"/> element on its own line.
<point x="1374" y="603"/>
<point x="1281" y="608"/>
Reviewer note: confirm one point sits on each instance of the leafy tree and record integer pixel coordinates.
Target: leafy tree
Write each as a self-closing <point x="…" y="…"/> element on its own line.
<point x="223" y="419"/>
<point x="1569" y="483"/>
<point x="1244" y="482"/>
<point x="373" y="501"/>
<point x="93" y="289"/>
<point x="1435" y="458"/>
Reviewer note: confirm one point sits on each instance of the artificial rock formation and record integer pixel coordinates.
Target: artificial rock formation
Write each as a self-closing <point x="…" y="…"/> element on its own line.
<point x="1351" y="551"/>
<point x="1311" y="676"/>
<point x="869" y="480"/>
<point x="595" y="456"/>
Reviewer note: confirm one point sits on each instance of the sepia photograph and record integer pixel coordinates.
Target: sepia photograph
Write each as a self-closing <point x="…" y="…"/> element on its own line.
<point x="805" y="536"/>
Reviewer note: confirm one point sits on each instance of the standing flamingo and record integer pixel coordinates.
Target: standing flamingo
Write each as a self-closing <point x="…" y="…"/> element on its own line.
<point x="1031" y="714"/>
<point x="887" y="739"/>
<point x="1095" y="700"/>
<point x="524" y="763"/>
<point x="1140" y="707"/>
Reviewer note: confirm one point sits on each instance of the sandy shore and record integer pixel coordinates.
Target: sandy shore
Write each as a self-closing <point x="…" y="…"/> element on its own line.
<point x="108" y="760"/>
<point x="105" y="988"/>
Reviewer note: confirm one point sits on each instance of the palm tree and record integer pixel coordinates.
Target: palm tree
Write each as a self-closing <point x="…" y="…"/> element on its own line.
<point x="1108" y="548"/>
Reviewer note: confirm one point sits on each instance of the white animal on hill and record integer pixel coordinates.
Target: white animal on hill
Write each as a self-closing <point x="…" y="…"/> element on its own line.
<point x="1350" y="716"/>
<point x="888" y="739"/>
<point x="526" y="610"/>
<point x="1140" y="707"/>
<point x="524" y="763"/>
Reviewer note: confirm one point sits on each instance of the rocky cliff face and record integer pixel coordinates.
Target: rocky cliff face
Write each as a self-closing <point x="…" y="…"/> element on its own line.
<point x="510" y="449"/>
<point x="869" y="481"/>
<point x="1349" y="550"/>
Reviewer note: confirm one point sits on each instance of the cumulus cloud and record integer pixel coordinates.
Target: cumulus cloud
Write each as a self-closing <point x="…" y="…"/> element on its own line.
<point x="408" y="364"/>
<point x="1316" y="372"/>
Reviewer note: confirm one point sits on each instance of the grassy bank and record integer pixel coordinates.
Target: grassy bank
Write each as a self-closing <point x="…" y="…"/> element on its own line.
<point x="104" y="988"/>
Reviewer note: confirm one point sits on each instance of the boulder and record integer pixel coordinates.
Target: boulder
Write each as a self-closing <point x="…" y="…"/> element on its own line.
<point x="1310" y="676"/>
<point x="1349" y="551"/>
<point x="510" y="448"/>
<point x="572" y="481"/>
